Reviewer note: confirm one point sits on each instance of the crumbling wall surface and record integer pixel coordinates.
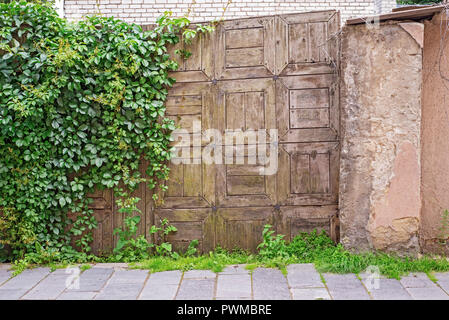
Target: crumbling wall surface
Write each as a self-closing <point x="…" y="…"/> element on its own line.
<point x="380" y="121"/>
<point x="435" y="134"/>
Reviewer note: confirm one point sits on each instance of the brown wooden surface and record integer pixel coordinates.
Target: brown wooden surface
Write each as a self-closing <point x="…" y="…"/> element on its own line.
<point x="276" y="72"/>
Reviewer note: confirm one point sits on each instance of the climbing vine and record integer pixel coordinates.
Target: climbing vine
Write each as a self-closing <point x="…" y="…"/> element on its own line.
<point x="81" y="109"/>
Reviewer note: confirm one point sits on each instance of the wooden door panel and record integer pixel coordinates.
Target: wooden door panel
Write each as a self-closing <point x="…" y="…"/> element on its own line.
<point x="302" y="43"/>
<point x="192" y="224"/>
<point x="246" y="105"/>
<point x="190" y="185"/>
<point x="192" y="107"/>
<point x="242" y="227"/>
<point x="296" y="219"/>
<point x="245" y="48"/>
<point x="199" y="66"/>
<point x="243" y="179"/>
<point x="308" y="173"/>
<point x="307" y="108"/>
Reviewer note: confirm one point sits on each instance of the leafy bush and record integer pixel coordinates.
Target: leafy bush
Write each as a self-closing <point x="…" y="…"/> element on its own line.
<point x="81" y="105"/>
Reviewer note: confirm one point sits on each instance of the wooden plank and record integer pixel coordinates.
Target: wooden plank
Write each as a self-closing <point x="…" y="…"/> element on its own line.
<point x="300" y="173"/>
<point x="298" y="43"/>
<point x="309" y="118"/>
<point x="244" y="38"/>
<point x="235" y="110"/>
<point x="244" y="57"/>
<point x="309" y="98"/>
<point x="245" y="185"/>
<point x="254" y="110"/>
<point x="318" y="41"/>
<point x="319" y="173"/>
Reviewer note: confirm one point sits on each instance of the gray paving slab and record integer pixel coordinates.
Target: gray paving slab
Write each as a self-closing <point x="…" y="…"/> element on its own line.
<point x="19" y="285"/>
<point x="427" y="293"/>
<point x="199" y="274"/>
<point x="123" y="285"/>
<point x="77" y="295"/>
<point x="270" y="284"/>
<point x="417" y="280"/>
<point x="420" y="287"/>
<point x="4" y="275"/>
<point x="345" y="287"/>
<point x="233" y="286"/>
<point x="50" y="287"/>
<point x="310" y="294"/>
<point x="196" y="289"/>
<point x="161" y="286"/>
<point x="303" y="276"/>
<point x="235" y="269"/>
<point x="92" y="280"/>
<point x="5" y="266"/>
<point x="387" y="289"/>
<point x="443" y="280"/>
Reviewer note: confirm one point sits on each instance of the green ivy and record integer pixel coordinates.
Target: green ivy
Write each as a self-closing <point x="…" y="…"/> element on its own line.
<point x="81" y="107"/>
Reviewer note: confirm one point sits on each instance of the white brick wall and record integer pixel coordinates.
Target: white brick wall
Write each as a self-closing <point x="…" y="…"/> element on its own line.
<point x="146" y="11"/>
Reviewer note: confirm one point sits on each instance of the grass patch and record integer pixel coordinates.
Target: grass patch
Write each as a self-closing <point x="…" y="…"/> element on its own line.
<point x="316" y="248"/>
<point x="274" y="252"/>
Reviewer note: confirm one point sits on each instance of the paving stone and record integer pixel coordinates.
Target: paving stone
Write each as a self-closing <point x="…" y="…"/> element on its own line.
<point x="77" y="295"/>
<point x="196" y="289"/>
<point x="303" y="276"/>
<point x="161" y="286"/>
<point x="420" y="287"/>
<point x="234" y="286"/>
<point x="199" y="274"/>
<point x="5" y="266"/>
<point x="310" y="294"/>
<point x="427" y="293"/>
<point x="387" y="289"/>
<point x="4" y="275"/>
<point x="235" y="269"/>
<point x="270" y="284"/>
<point x="345" y="287"/>
<point x="50" y="287"/>
<point x="245" y="298"/>
<point x="123" y="285"/>
<point x="16" y="287"/>
<point x="443" y="280"/>
<point x="417" y="280"/>
<point x="92" y="280"/>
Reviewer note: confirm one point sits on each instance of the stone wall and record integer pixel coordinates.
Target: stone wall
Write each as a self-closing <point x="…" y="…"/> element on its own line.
<point x="146" y="11"/>
<point x="435" y="134"/>
<point x="380" y="119"/>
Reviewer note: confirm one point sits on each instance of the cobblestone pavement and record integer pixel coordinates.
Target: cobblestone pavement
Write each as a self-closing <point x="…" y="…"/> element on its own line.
<point x="303" y="282"/>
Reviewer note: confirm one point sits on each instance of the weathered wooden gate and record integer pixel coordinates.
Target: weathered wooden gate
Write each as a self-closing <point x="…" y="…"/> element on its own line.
<point x="276" y="72"/>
